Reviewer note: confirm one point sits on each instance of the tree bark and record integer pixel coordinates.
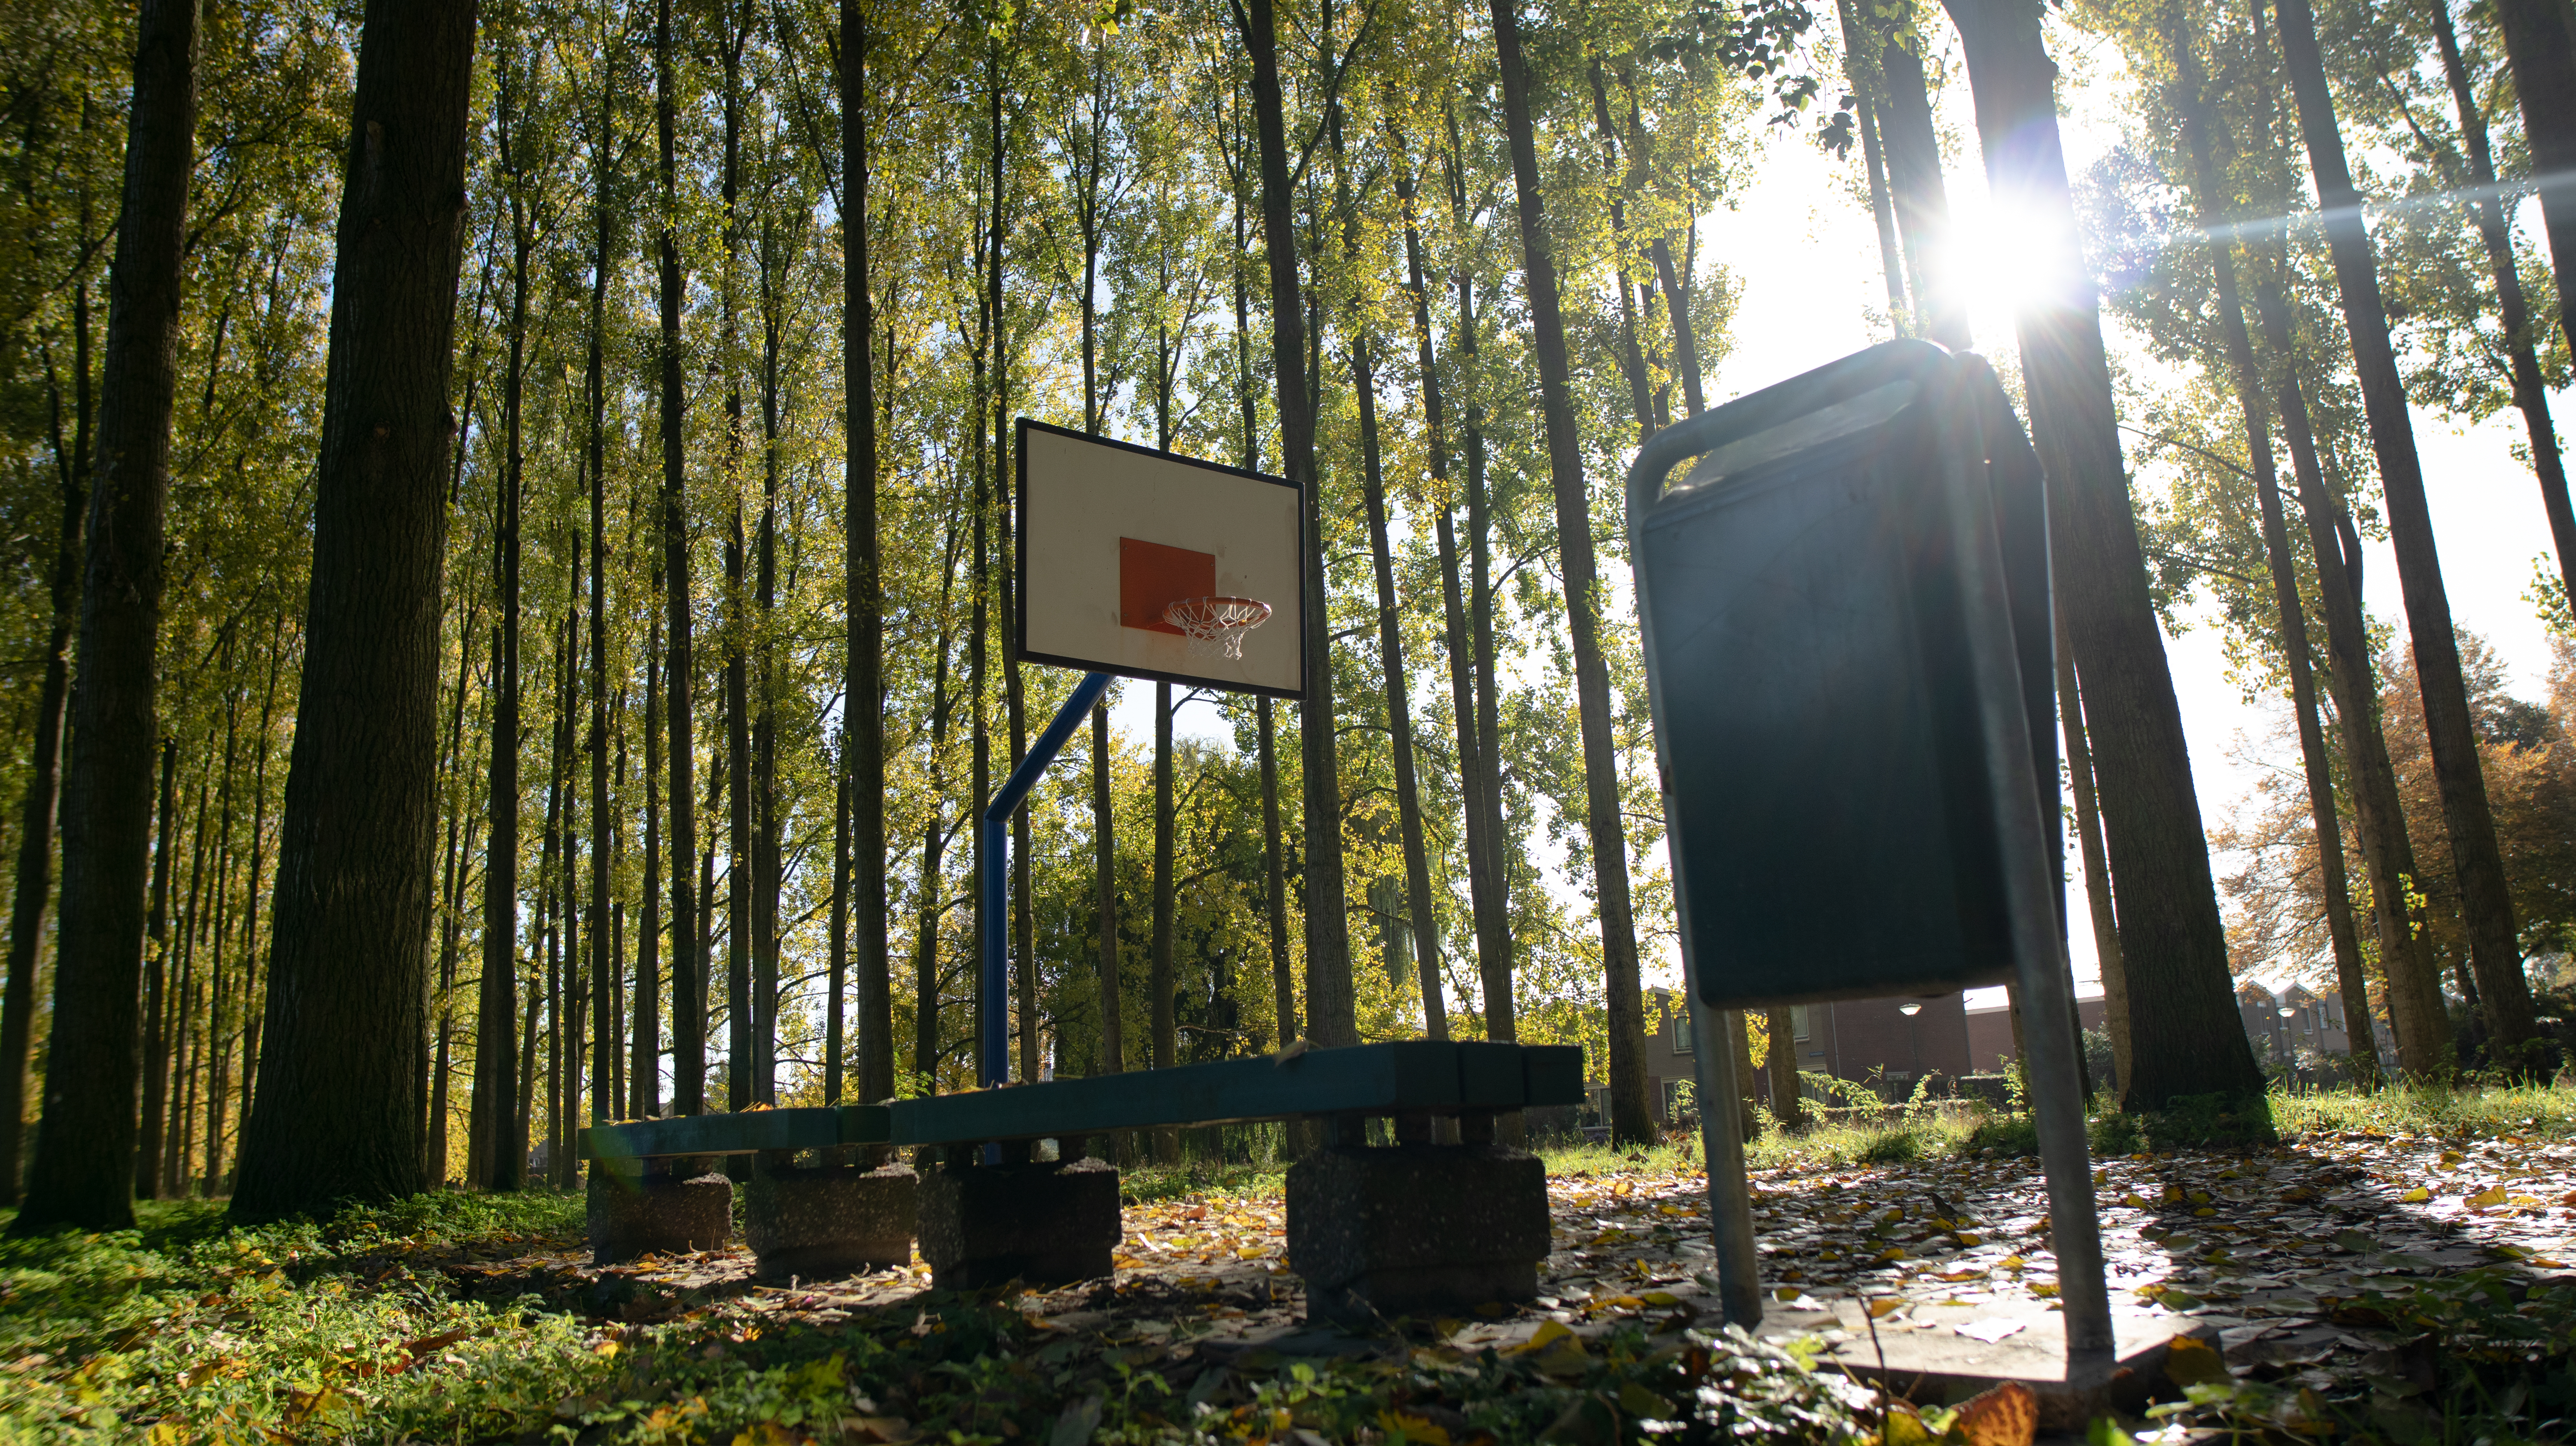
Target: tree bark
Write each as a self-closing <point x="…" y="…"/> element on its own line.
<point x="40" y="810"/>
<point x="2542" y="59"/>
<point x="644" y="1071"/>
<point x="1113" y="1034"/>
<point x="1399" y="710"/>
<point x="339" y="1116"/>
<point x="603" y="957"/>
<point x="1332" y="1017"/>
<point x="1631" y="1119"/>
<point x="2486" y="906"/>
<point x="688" y="958"/>
<point x="1165" y="1042"/>
<point x="2416" y="1014"/>
<point x="1484" y="897"/>
<point x="2289" y="610"/>
<point x="2183" y="1021"/>
<point x="1922" y="202"/>
<point x="83" y="1173"/>
<point x="2097" y="867"/>
<point x="156" y="1015"/>
<point x="863" y="676"/>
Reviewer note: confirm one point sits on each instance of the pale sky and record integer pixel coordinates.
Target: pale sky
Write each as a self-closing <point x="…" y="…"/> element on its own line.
<point x="1805" y="250"/>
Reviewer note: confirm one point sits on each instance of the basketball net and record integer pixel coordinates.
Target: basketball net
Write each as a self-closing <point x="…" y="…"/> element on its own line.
<point x="1216" y="625"/>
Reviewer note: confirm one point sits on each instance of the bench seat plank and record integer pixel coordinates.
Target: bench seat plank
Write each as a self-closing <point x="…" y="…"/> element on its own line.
<point x="1436" y="1077"/>
<point x="806" y="1127"/>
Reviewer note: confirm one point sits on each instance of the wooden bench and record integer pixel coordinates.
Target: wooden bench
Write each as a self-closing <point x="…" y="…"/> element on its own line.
<point x="1415" y="1225"/>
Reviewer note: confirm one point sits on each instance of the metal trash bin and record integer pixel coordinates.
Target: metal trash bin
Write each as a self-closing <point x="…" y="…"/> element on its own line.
<point x="1843" y="588"/>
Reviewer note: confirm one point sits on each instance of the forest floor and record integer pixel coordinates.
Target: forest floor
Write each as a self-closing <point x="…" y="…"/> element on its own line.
<point x="2394" y="1268"/>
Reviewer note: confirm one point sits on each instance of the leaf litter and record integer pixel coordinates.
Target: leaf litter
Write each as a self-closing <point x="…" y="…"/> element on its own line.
<point x="2350" y="1276"/>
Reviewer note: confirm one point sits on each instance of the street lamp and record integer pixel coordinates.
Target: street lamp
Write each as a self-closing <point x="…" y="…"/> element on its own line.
<point x="1913" y="1035"/>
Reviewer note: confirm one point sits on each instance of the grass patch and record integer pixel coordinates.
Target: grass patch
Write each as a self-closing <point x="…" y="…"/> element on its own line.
<point x="1153" y="1184"/>
<point x="2548" y="1110"/>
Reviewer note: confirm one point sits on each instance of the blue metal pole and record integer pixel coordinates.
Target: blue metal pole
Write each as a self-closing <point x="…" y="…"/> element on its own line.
<point x="993" y="1055"/>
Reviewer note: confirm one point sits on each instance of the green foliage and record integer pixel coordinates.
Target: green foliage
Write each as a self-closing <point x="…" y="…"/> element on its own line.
<point x="186" y="1330"/>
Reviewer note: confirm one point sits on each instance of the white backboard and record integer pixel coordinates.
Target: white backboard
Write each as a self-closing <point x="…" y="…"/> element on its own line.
<point x="1109" y="533"/>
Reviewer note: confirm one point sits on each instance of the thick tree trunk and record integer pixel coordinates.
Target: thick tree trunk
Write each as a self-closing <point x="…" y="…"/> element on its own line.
<point x="40" y="810"/>
<point x="1631" y="1119"/>
<point x="1332" y="1017"/>
<point x="2290" y="611"/>
<point x="83" y="1172"/>
<point x="863" y="673"/>
<point x="2486" y="906"/>
<point x="2183" y="1021"/>
<point x="340" y="1114"/>
<point x="688" y="956"/>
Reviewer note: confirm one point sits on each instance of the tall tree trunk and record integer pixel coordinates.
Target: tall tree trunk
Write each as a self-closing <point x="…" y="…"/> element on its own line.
<point x="764" y="718"/>
<point x="644" y="1071"/>
<point x="1104" y="844"/>
<point x="177" y="1020"/>
<point x="2188" y="1038"/>
<point x="496" y="1151"/>
<point x="1922" y="201"/>
<point x="2513" y="308"/>
<point x="84" y="1162"/>
<point x="1159" y="979"/>
<point x="2416" y="1014"/>
<point x="1631" y="1119"/>
<point x="744" y="1025"/>
<point x="2542" y="57"/>
<point x="339" y="1116"/>
<point x="39" y="811"/>
<point x="863" y="676"/>
<point x="1283" y="975"/>
<point x="1332" y="1017"/>
<point x="2291" y="613"/>
<point x="1677" y="294"/>
<point x="1632" y="358"/>
<point x="1484" y="897"/>
<point x="1861" y="69"/>
<point x="688" y="955"/>
<point x="2097" y="867"/>
<point x="1494" y="938"/>
<point x="1399" y="708"/>
<point x="603" y="956"/>
<point x="156" y="1004"/>
<point x="2486" y="906"/>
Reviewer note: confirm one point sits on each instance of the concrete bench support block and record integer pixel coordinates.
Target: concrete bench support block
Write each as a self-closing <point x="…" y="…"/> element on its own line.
<point x="1416" y="1229"/>
<point x="829" y="1221"/>
<point x="1043" y="1223"/>
<point x="636" y="1212"/>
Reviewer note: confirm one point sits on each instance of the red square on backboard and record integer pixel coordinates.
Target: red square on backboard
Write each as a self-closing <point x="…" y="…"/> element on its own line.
<point x="1152" y="577"/>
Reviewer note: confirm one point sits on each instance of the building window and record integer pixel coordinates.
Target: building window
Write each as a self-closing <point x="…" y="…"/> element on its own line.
<point x="1679" y="1017"/>
<point x="1799" y="1021"/>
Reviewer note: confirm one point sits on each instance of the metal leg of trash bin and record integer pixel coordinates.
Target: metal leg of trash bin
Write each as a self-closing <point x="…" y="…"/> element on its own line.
<point x="1721" y="1132"/>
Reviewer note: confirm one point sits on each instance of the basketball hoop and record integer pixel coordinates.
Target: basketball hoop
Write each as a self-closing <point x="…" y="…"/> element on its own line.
<point x="1216" y="625"/>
